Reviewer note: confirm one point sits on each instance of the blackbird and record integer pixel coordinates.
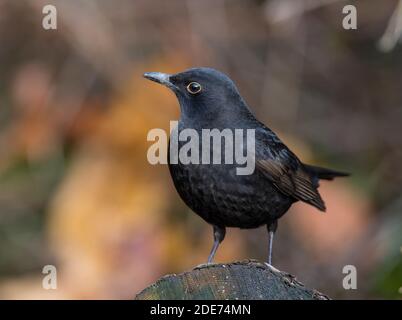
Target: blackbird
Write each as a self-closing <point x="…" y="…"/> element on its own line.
<point x="223" y="198"/>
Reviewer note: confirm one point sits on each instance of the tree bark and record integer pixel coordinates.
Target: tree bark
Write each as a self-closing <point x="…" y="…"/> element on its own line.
<point x="249" y="279"/>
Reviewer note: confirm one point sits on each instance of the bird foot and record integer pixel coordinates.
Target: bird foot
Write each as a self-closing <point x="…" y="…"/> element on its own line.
<point x="204" y="265"/>
<point x="272" y="267"/>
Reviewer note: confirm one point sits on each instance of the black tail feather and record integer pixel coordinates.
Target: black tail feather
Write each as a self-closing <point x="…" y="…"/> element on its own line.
<point x="324" y="173"/>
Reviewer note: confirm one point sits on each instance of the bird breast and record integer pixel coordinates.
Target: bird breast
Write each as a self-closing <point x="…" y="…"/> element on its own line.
<point x="220" y="196"/>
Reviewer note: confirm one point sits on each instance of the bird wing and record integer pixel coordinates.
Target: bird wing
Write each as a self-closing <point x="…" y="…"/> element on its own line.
<point x="287" y="173"/>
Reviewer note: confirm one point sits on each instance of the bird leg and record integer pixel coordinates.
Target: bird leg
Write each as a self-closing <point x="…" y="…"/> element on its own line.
<point x="271" y="227"/>
<point x="219" y="235"/>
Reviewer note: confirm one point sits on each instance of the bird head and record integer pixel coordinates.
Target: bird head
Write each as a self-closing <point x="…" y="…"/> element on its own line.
<point x="203" y="93"/>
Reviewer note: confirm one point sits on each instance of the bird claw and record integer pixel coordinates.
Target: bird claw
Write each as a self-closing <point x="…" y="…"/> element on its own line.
<point x="204" y="265"/>
<point x="271" y="267"/>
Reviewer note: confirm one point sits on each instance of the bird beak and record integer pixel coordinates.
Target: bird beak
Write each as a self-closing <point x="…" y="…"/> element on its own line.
<point x="161" y="78"/>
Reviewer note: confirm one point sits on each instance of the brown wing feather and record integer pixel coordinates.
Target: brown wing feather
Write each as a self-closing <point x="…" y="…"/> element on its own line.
<point x="293" y="182"/>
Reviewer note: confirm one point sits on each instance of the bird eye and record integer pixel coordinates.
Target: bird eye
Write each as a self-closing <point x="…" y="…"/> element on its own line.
<point x="194" y="87"/>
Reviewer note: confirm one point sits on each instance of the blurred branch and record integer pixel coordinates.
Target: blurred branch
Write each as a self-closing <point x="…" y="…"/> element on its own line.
<point x="99" y="45"/>
<point x="392" y="34"/>
<point x="278" y="11"/>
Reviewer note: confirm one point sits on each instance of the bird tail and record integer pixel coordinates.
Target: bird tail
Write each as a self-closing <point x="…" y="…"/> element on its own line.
<point x="324" y="173"/>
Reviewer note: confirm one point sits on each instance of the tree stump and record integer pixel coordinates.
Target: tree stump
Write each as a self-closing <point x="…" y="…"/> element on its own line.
<point x="243" y="280"/>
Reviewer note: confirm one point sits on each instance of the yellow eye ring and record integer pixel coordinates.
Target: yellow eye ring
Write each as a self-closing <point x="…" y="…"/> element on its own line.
<point x="194" y="87"/>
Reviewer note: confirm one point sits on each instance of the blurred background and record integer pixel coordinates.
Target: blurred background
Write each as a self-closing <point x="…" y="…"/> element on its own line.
<point x="77" y="192"/>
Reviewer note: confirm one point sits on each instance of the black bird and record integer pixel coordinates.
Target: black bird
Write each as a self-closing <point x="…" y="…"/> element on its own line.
<point x="209" y="99"/>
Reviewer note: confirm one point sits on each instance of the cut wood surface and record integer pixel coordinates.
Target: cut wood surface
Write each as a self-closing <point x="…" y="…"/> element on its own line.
<point x="250" y="280"/>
